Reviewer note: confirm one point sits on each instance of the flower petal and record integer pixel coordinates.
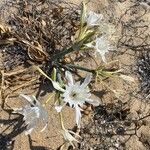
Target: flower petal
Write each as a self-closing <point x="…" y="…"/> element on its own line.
<point x="69" y="77"/>
<point x="67" y="136"/>
<point x="27" y="132"/>
<point x="30" y="127"/>
<point x="93" y="102"/>
<point x="57" y="86"/>
<point x="78" y="115"/>
<point x="31" y="99"/>
<point x="90" y="45"/>
<point x="102" y="46"/>
<point x="87" y="80"/>
<point x="74" y="133"/>
<point x="17" y="110"/>
<point x="93" y="19"/>
<point x="43" y="118"/>
<point x="44" y="128"/>
<point x="103" y="58"/>
<point x="58" y="108"/>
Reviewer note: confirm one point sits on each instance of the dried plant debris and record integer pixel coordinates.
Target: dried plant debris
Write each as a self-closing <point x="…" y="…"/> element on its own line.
<point x="39" y="29"/>
<point x="143" y="69"/>
<point x="110" y="127"/>
<point x="134" y="34"/>
<point x="5" y="143"/>
<point x="34" y="32"/>
<point x="104" y="130"/>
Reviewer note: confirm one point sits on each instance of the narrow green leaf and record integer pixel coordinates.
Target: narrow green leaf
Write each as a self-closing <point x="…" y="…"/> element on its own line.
<point x="83" y="14"/>
<point x="53" y="75"/>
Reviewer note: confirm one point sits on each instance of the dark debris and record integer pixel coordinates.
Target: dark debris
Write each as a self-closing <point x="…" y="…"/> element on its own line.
<point x="103" y="130"/>
<point x="143" y="65"/>
<point x="46" y="24"/>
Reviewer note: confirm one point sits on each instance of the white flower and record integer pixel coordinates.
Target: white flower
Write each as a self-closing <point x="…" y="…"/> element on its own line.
<point x="101" y="45"/>
<point x="69" y="137"/>
<point x="33" y="113"/>
<point x="93" y="19"/>
<point x="76" y="94"/>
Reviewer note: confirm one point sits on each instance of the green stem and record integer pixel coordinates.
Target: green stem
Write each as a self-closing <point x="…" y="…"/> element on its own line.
<point x="76" y="47"/>
<point x="62" y="53"/>
<point x="80" y="68"/>
<point x="61" y="121"/>
<point x="99" y="72"/>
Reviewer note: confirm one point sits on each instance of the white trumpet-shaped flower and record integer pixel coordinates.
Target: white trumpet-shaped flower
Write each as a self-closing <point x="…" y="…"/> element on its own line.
<point x="93" y="19"/>
<point x="101" y="45"/>
<point x="68" y="136"/>
<point x="75" y="94"/>
<point x="33" y="113"/>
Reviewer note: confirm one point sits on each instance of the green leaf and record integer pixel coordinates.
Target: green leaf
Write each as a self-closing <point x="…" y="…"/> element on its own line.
<point x="83" y="14"/>
<point x="53" y="75"/>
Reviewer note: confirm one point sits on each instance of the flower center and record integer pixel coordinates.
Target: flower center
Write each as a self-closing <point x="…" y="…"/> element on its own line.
<point x="73" y="95"/>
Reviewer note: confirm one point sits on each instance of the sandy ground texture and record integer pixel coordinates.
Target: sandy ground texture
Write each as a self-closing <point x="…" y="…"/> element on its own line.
<point x="130" y="19"/>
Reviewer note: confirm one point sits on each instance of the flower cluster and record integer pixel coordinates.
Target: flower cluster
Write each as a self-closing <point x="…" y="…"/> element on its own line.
<point x="95" y="22"/>
<point x="75" y="94"/>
